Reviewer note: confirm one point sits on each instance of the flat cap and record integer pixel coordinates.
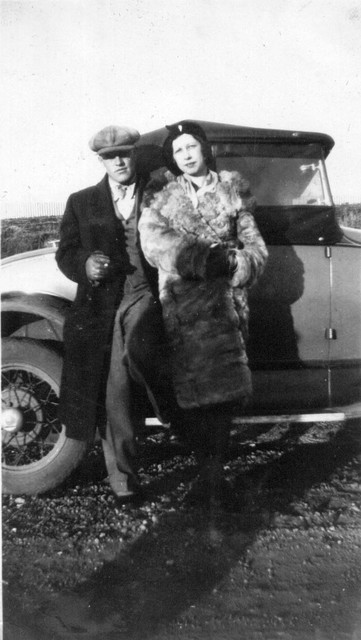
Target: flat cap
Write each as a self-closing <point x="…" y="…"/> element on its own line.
<point x="113" y="138"/>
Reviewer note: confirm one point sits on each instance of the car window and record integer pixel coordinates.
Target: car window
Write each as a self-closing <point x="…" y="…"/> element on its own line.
<point x="289" y="182"/>
<point x="284" y="174"/>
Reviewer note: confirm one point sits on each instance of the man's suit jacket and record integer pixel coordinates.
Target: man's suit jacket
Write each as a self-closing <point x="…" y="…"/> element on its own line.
<point x="90" y="224"/>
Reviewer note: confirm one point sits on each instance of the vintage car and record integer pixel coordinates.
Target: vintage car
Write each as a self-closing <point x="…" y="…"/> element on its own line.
<point x="305" y="312"/>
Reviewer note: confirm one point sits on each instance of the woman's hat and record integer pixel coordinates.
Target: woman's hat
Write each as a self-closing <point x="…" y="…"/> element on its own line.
<point x="185" y="126"/>
<point x="178" y="129"/>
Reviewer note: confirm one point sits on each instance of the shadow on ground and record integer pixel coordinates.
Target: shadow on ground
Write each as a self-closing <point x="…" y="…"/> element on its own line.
<point x="186" y="555"/>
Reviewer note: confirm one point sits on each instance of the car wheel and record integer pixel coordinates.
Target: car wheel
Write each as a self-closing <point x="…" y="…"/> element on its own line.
<point x="36" y="454"/>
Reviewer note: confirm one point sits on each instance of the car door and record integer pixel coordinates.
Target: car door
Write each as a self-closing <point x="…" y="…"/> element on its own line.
<point x="345" y="321"/>
<point x="289" y="312"/>
<point x="290" y="306"/>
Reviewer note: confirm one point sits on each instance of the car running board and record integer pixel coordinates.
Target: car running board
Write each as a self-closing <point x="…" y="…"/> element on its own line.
<point x="336" y="414"/>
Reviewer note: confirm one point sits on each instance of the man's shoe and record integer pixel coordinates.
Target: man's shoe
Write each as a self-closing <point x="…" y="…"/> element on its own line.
<point x="131" y="497"/>
<point x="127" y="498"/>
<point x="136" y="495"/>
<point x="124" y="487"/>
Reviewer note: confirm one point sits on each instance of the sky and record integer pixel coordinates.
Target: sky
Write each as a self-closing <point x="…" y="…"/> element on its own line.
<point x="71" y="67"/>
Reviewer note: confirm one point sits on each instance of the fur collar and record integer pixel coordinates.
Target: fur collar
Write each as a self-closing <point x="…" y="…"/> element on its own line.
<point x="215" y="210"/>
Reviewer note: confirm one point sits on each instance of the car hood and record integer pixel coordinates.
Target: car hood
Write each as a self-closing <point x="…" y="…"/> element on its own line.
<point x="35" y="272"/>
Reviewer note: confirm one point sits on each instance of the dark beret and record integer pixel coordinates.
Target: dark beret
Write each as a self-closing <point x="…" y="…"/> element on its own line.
<point x="186" y="126"/>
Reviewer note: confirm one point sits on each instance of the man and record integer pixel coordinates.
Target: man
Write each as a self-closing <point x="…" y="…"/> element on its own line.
<point x="113" y="334"/>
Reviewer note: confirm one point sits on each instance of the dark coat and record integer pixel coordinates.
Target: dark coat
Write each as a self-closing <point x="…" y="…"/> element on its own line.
<point x="206" y="318"/>
<point x="90" y="224"/>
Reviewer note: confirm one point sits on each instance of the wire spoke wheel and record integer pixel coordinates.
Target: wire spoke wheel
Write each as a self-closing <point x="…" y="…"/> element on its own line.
<point x="36" y="454"/>
<point x="36" y="401"/>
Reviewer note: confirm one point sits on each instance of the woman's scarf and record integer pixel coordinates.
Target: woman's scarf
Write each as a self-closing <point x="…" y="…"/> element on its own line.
<point x="209" y="186"/>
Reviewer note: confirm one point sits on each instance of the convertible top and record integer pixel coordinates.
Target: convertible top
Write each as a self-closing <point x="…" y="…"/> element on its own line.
<point x="279" y="225"/>
<point x="219" y="132"/>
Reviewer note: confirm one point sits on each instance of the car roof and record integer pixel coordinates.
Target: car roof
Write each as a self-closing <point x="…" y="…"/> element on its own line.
<point x="221" y="132"/>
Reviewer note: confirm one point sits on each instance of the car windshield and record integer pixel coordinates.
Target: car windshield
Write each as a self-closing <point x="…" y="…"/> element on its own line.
<point x="280" y="174"/>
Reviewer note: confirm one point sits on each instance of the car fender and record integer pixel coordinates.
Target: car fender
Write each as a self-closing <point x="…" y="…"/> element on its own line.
<point x="35" y="272"/>
<point x="37" y="316"/>
<point x="35" y="296"/>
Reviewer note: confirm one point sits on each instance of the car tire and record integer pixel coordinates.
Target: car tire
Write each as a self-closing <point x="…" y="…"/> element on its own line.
<point x="36" y="454"/>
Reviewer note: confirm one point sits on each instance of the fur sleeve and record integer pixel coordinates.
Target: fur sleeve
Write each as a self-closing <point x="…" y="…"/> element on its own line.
<point x="251" y="251"/>
<point x="171" y="250"/>
<point x="251" y="259"/>
<point x="167" y="248"/>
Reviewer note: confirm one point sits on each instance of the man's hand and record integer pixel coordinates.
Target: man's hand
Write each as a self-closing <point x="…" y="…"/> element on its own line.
<point x="97" y="266"/>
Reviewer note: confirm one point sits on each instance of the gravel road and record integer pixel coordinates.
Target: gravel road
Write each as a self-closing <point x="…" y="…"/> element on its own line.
<point x="284" y="564"/>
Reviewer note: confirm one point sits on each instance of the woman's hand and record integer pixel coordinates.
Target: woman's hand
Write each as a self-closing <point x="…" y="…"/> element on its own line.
<point x="221" y="261"/>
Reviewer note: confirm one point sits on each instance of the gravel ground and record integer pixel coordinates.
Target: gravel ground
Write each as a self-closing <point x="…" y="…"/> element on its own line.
<point x="284" y="563"/>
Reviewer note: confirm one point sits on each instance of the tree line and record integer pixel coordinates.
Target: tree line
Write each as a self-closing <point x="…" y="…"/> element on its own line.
<point x="26" y="234"/>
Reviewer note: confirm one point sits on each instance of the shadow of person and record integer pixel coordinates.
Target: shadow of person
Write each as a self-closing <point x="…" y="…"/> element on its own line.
<point x="165" y="574"/>
<point x="174" y="568"/>
<point x="272" y="339"/>
<point x="168" y="571"/>
<point x="301" y="464"/>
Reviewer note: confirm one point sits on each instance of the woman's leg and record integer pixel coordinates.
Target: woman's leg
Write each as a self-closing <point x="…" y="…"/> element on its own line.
<point x="208" y="432"/>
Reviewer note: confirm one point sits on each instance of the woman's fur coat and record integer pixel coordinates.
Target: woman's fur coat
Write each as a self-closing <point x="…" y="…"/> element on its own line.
<point x="206" y="319"/>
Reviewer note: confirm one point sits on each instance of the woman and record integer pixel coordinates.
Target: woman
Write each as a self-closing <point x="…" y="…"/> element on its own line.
<point x="198" y="231"/>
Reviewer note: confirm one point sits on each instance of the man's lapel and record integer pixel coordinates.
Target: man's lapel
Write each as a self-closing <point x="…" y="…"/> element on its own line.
<point x="101" y="202"/>
<point x="139" y="190"/>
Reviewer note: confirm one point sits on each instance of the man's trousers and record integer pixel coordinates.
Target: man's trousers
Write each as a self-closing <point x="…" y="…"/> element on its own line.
<point x="139" y="363"/>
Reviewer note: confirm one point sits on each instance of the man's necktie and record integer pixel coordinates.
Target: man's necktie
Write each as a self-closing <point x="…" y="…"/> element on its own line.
<point x="122" y="190"/>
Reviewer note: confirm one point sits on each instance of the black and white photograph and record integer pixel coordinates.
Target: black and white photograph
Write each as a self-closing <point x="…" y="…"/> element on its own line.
<point x="181" y="319"/>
